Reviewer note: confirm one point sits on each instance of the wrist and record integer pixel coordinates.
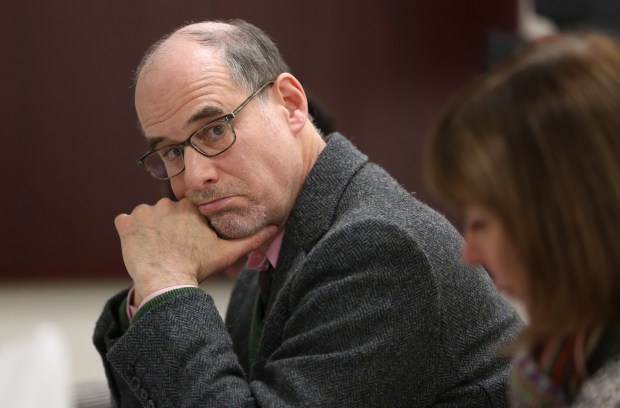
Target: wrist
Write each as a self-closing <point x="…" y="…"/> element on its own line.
<point x="155" y="301"/>
<point x="145" y="292"/>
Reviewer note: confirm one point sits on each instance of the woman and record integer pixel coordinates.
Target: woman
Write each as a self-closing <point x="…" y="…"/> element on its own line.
<point x="530" y="154"/>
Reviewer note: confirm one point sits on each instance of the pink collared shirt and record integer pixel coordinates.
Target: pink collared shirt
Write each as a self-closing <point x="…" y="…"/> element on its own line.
<point x="257" y="260"/>
<point x="260" y="261"/>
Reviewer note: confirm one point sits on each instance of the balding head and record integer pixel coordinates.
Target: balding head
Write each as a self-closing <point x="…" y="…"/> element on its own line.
<point x="250" y="55"/>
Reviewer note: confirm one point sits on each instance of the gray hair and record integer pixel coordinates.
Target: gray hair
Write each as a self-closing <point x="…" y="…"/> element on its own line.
<point x="251" y="56"/>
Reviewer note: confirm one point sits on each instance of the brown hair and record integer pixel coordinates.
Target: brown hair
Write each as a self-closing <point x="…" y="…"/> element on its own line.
<point x="537" y="142"/>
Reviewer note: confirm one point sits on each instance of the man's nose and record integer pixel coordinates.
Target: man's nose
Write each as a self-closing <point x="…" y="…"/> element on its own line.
<point x="199" y="171"/>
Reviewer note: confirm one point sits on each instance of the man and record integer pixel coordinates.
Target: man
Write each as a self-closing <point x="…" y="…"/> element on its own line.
<point x="354" y="294"/>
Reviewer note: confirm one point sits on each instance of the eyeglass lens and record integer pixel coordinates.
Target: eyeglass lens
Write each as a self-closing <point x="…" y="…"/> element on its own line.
<point x="210" y="140"/>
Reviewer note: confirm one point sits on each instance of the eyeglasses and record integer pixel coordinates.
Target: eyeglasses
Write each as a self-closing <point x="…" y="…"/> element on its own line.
<point x="210" y="140"/>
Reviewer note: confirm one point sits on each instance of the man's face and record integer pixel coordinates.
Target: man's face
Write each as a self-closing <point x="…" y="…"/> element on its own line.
<point x="247" y="187"/>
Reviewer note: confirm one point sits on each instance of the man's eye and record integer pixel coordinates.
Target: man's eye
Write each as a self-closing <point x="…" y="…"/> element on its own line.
<point x="212" y="132"/>
<point x="171" y="154"/>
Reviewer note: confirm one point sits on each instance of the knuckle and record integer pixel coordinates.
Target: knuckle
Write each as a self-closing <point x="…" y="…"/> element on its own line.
<point x="164" y="201"/>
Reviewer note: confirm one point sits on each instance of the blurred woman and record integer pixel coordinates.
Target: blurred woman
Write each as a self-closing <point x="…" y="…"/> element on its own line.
<point x="530" y="154"/>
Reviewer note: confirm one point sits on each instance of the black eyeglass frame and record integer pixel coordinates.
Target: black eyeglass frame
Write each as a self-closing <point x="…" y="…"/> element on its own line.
<point x="188" y="142"/>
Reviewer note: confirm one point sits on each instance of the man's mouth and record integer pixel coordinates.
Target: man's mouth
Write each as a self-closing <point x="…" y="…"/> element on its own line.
<point x="214" y="205"/>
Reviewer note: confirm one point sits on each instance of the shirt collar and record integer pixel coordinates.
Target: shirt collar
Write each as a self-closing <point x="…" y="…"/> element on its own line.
<point x="261" y="261"/>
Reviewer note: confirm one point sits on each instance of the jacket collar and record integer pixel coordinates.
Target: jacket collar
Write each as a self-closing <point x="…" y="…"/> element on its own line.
<point x="316" y="205"/>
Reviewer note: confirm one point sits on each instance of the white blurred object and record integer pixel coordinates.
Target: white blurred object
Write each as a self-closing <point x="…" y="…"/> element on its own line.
<point x="532" y="25"/>
<point x="34" y="371"/>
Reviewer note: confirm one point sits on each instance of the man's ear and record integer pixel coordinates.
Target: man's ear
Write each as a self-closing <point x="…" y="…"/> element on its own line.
<point x="293" y="98"/>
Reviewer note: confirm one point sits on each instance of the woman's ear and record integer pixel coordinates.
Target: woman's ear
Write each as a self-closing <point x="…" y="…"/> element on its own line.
<point x="293" y="98"/>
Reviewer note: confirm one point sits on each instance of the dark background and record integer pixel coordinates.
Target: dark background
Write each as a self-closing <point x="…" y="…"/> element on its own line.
<point x="381" y="69"/>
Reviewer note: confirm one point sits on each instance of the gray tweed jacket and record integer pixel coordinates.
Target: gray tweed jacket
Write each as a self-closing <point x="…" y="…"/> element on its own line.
<point x="370" y="307"/>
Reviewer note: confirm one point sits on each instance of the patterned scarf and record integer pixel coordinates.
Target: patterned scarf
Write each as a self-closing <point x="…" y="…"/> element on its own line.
<point x="551" y="375"/>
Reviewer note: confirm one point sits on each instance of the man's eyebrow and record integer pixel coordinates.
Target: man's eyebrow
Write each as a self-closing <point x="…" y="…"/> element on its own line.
<point x="154" y="141"/>
<point x="204" y="113"/>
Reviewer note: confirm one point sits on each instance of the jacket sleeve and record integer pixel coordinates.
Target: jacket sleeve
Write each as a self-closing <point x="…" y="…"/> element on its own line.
<point x="108" y="330"/>
<point x="176" y="354"/>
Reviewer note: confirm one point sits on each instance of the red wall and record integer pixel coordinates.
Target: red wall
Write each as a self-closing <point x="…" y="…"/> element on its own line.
<point x="70" y="139"/>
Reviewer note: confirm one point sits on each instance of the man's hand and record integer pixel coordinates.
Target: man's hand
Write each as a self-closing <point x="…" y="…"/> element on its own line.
<point x="171" y="244"/>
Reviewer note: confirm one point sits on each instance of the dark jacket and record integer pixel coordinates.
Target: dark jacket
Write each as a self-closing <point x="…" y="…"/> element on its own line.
<point x="370" y="307"/>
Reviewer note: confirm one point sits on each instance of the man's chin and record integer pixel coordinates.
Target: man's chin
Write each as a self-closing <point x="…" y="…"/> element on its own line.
<point x="234" y="226"/>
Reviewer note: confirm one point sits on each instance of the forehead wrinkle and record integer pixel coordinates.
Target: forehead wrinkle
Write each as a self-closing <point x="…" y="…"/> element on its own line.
<point x="161" y="115"/>
<point x="176" y="78"/>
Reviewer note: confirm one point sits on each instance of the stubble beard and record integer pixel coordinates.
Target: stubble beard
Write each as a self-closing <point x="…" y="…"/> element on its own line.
<point x="233" y="222"/>
<point x="238" y="222"/>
